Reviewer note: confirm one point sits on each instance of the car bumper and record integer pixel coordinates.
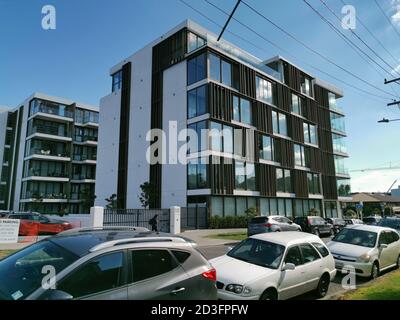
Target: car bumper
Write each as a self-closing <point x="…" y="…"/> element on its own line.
<point x="226" y="295"/>
<point x="361" y="269"/>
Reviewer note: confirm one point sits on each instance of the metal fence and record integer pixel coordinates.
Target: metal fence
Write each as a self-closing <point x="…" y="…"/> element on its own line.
<point x="137" y="218"/>
<point x="194" y="218"/>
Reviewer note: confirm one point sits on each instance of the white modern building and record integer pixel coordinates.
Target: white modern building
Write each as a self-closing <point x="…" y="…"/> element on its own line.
<point x="286" y="154"/>
<point x="48" y="149"/>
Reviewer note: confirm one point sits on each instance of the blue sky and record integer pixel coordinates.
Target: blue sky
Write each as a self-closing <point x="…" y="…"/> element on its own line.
<point x="92" y="35"/>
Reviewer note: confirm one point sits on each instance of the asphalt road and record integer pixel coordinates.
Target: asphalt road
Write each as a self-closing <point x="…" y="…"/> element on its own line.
<point x="335" y="288"/>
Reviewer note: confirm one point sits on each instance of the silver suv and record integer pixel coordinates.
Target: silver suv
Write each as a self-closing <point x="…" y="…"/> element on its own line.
<point x="108" y="263"/>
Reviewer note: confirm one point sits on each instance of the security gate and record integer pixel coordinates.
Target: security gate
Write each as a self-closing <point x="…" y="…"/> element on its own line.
<point x="194" y="218"/>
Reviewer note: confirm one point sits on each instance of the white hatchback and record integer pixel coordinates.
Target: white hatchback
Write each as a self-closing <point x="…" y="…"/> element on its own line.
<point x="277" y="265"/>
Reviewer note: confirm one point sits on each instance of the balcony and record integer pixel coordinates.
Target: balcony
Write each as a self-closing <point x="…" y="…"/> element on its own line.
<point x="45" y="112"/>
<point x="83" y="179"/>
<point x="49" y="133"/>
<point x="38" y="175"/>
<point x="84" y="159"/>
<point x="34" y="196"/>
<point x="86" y="140"/>
<point x="48" y="154"/>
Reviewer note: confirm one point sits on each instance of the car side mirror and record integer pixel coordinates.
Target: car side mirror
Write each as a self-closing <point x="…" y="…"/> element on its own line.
<point x="383" y="246"/>
<point x="57" y="295"/>
<point x="228" y="249"/>
<point x="288" y="266"/>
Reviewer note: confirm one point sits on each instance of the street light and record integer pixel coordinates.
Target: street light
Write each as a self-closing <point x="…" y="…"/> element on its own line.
<point x="384" y="120"/>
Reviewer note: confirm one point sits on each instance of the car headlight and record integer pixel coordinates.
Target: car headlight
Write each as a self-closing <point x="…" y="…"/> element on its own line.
<point x="238" y="289"/>
<point x="364" y="258"/>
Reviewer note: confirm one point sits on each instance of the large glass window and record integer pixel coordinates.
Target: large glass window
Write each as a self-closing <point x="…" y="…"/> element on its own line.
<point x="223" y="71"/>
<point x="279" y="123"/>
<point x="245" y="176"/>
<point x="226" y="73"/>
<point x="265" y="90"/>
<point x="343" y="187"/>
<point x="197" y="173"/>
<point x="197" y="69"/>
<point x="283" y="180"/>
<point x="194" y="42"/>
<point x="241" y="110"/>
<point x="340" y="166"/>
<point x="310" y="133"/>
<point x="301" y="156"/>
<point x="313" y="183"/>
<point x="197" y="102"/>
<point x="197" y="136"/>
<point x="117" y="81"/>
<point x="337" y="122"/>
<point x="221" y="137"/>
<point x="305" y="85"/>
<point x="298" y="105"/>
<point x="339" y="144"/>
<point x="266" y="148"/>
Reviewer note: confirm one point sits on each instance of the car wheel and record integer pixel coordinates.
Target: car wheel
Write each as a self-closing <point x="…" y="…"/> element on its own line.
<point x="323" y="286"/>
<point x="269" y="294"/>
<point x="299" y="230"/>
<point x="316" y="232"/>
<point x="398" y="262"/>
<point x="277" y="230"/>
<point x="375" y="271"/>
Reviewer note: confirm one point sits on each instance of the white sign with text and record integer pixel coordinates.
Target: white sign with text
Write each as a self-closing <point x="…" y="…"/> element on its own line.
<point x="9" y="229"/>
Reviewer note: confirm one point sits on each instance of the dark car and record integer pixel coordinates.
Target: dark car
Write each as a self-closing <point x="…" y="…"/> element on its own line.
<point x="315" y="225"/>
<point x="109" y="263"/>
<point x="337" y="223"/>
<point x="373" y="221"/>
<point x="4" y="214"/>
<point x="390" y="222"/>
<point x="271" y="224"/>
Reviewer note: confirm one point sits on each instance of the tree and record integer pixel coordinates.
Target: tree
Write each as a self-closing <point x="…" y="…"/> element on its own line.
<point x="251" y="213"/>
<point x="313" y="212"/>
<point x="37" y="200"/>
<point x="111" y="202"/>
<point x="350" y="213"/>
<point x="147" y="195"/>
<point x="87" y="198"/>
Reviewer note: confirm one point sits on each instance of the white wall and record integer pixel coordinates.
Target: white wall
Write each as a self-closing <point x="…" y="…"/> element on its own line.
<point x="108" y="148"/>
<point x="174" y="109"/>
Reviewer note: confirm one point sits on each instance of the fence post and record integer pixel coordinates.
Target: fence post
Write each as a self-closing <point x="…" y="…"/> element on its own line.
<point x="96" y="217"/>
<point x="175" y="220"/>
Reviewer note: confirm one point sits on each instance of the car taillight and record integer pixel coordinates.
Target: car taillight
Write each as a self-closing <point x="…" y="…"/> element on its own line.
<point x="268" y="225"/>
<point x="210" y="275"/>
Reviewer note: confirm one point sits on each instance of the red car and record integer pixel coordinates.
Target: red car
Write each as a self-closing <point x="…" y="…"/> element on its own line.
<point x="36" y="224"/>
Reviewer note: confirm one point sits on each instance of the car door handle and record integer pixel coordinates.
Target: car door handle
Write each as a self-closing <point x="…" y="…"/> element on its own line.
<point x="178" y="290"/>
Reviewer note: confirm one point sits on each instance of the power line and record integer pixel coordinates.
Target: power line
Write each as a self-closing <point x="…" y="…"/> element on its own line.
<point x="373" y="36"/>
<point x="382" y="98"/>
<point x="387" y="18"/>
<point x="314" y="51"/>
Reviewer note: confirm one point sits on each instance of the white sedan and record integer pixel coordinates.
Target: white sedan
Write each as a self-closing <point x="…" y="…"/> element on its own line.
<point x="366" y="250"/>
<point x="277" y="265"/>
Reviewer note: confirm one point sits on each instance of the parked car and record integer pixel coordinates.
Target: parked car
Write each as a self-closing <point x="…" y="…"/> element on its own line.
<point x="277" y="265"/>
<point x="390" y="222"/>
<point x="109" y="263"/>
<point x="33" y="222"/>
<point x="368" y="249"/>
<point x="315" y="225"/>
<point x="337" y="223"/>
<point x="353" y="221"/>
<point x="373" y="220"/>
<point x="271" y="224"/>
<point x="4" y="214"/>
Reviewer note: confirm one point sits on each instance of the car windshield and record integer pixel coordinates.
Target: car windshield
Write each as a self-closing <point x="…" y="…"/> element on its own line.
<point x="357" y="237"/>
<point x="390" y="223"/>
<point x="261" y="253"/>
<point x="316" y="221"/>
<point x="21" y="273"/>
<point x="339" y="221"/>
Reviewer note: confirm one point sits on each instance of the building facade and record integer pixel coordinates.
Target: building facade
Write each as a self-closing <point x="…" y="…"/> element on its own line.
<point x="270" y="135"/>
<point x="49" y="154"/>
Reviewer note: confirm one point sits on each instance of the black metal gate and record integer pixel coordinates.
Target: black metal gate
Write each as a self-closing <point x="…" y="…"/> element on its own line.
<point x="194" y="218"/>
<point x="137" y="218"/>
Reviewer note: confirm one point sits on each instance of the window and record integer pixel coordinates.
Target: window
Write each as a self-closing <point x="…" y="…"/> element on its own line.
<point x="194" y="42"/>
<point x="197" y="133"/>
<point x="340" y="166"/>
<point x="321" y="249"/>
<point x="266" y="148"/>
<point x="301" y="156"/>
<point x="298" y="105"/>
<point x="151" y="263"/>
<point x="197" y="173"/>
<point x="221" y="137"/>
<point x="181" y="256"/>
<point x="100" y="274"/>
<point x="223" y="71"/>
<point x="343" y="187"/>
<point x="339" y="144"/>
<point x="196" y="69"/>
<point x="337" y="122"/>
<point x="197" y="104"/>
<point x="293" y="255"/>
<point x="245" y="177"/>
<point x="241" y="110"/>
<point x="313" y="183"/>
<point x="117" y="81"/>
<point x="283" y="180"/>
<point x="279" y="124"/>
<point x="309" y="253"/>
<point x="265" y="90"/>
<point x="310" y="133"/>
<point x="305" y="85"/>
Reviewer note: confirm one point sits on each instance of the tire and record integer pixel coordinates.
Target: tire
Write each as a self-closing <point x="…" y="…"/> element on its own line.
<point x="317" y="233"/>
<point x="277" y="230"/>
<point x="374" y="271"/>
<point x="299" y="230"/>
<point x="269" y="294"/>
<point x="398" y="262"/>
<point x="323" y="286"/>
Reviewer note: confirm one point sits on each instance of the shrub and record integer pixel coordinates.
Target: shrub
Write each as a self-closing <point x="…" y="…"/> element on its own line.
<point x="217" y="222"/>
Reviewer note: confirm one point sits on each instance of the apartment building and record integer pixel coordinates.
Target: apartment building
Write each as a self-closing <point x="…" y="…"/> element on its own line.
<point x="48" y="149"/>
<point x="281" y="147"/>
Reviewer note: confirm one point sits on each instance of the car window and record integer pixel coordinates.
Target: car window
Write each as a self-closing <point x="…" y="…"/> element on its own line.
<point x="293" y="255"/>
<point x="259" y="220"/>
<point x="383" y="238"/>
<point x="309" y="253"/>
<point x="98" y="275"/>
<point x="357" y="237"/>
<point x="395" y="236"/>
<point x="181" y="256"/>
<point x="285" y="220"/>
<point x="151" y="263"/>
<point x="321" y="249"/>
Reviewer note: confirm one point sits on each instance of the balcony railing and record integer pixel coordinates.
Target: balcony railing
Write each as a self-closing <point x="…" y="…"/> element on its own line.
<point x="41" y="173"/>
<point x="86" y="138"/>
<point x="38" y="195"/>
<point x="84" y="157"/>
<point x="55" y="131"/>
<point x="82" y="177"/>
<point x="53" y="111"/>
<point x="48" y="152"/>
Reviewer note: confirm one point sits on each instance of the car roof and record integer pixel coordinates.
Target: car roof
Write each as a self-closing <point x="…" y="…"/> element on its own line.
<point x="366" y="227"/>
<point x="82" y="241"/>
<point x="287" y="238"/>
